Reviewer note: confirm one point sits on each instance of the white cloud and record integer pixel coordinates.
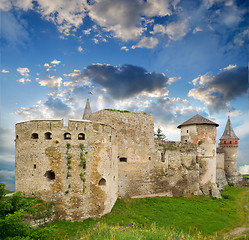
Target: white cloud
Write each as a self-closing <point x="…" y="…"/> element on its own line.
<point x="177" y="30"/>
<point x="229" y="67"/>
<point x="174" y="30"/>
<point x="124" y="48"/>
<point x="23" y="71"/>
<point x="51" y="82"/>
<point x="244" y="169"/>
<point x="96" y="41"/>
<point x="80" y="49"/>
<point x="157" y="8"/>
<point x="197" y="29"/>
<point x="146" y="42"/>
<point x="24" y="80"/>
<point x="203" y="79"/>
<point x="173" y="79"/>
<point x="5" y="71"/>
<point x="55" y="62"/>
<point x="87" y="31"/>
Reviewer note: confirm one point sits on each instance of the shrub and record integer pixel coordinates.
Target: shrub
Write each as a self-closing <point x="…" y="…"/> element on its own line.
<point x="2" y="190"/>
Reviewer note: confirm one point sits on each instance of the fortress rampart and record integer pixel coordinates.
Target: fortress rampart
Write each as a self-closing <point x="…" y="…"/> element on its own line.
<point x="85" y="166"/>
<point x="73" y="166"/>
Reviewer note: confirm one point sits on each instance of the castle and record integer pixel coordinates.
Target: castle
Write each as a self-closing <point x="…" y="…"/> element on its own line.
<point x="85" y="166"/>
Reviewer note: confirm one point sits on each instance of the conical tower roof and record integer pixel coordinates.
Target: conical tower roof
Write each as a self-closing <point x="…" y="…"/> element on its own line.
<point x="198" y="120"/>
<point x="87" y="110"/>
<point x="228" y="132"/>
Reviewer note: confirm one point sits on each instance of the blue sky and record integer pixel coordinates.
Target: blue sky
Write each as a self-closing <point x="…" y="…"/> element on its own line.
<point x="173" y="58"/>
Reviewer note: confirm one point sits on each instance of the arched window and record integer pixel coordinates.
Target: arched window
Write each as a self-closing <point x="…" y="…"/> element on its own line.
<point x="102" y="182"/>
<point x="50" y="175"/>
<point x="48" y="135"/>
<point x="67" y="136"/>
<point x="81" y="136"/>
<point x="34" y="136"/>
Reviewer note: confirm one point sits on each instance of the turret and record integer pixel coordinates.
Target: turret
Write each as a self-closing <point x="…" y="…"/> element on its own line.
<point x="202" y="132"/>
<point x="229" y="142"/>
<point x="87" y="110"/>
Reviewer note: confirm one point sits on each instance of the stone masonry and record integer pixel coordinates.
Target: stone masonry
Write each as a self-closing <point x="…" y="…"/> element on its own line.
<point x="85" y="166"/>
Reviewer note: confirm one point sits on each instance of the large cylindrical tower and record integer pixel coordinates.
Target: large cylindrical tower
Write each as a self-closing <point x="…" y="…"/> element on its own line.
<point x="202" y="132"/>
<point x="229" y="142"/>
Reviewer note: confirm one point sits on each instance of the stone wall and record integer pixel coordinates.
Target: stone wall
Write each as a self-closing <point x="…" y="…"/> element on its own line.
<point x="221" y="180"/>
<point x="80" y="175"/>
<point x="173" y="173"/>
<point x="135" y="133"/>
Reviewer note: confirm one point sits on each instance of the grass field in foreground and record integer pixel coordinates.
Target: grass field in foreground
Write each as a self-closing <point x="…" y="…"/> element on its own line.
<point x="192" y="214"/>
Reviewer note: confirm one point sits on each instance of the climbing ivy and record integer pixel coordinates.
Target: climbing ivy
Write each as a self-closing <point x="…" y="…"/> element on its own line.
<point x="69" y="161"/>
<point x="82" y="164"/>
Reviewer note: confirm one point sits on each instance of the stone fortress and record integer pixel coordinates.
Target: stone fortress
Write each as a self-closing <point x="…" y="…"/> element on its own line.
<point x="85" y="166"/>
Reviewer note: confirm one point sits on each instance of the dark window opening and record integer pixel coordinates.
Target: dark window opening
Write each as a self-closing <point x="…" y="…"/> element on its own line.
<point x="149" y="158"/>
<point x="102" y="182"/>
<point x="34" y="136"/>
<point x="50" y="175"/>
<point x="230" y="142"/>
<point x="17" y="136"/>
<point x="187" y="131"/>
<point x="123" y="159"/>
<point x="81" y="136"/>
<point x="162" y="157"/>
<point x="48" y="135"/>
<point x="67" y="136"/>
<point x="110" y="138"/>
<point x="34" y="166"/>
<point x="224" y="142"/>
<point x="84" y="166"/>
<point x="186" y="140"/>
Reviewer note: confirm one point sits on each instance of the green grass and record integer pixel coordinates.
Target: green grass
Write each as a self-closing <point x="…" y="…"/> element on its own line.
<point x="185" y="215"/>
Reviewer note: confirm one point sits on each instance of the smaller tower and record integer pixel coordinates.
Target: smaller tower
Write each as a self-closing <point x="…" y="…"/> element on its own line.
<point x="229" y="142"/>
<point x="87" y="110"/>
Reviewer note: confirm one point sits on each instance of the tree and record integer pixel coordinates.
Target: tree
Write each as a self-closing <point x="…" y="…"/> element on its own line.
<point x="2" y="190"/>
<point x="159" y="134"/>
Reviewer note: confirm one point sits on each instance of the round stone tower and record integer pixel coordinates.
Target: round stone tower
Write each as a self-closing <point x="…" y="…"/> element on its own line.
<point x="202" y="132"/>
<point x="229" y="142"/>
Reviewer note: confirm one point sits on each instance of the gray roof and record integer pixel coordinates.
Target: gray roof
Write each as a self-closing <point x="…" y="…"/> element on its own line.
<point x="87" y="110"/>
<point x="228" y="132"/>
<point x="198" y="120"/>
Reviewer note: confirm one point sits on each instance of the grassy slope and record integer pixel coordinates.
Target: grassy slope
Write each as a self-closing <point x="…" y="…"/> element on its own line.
<point x="192" y="213"/>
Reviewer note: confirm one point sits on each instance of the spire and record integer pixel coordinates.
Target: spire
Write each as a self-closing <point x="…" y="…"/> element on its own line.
<point x="228" y="132"/>
<point x="87" y="110"/>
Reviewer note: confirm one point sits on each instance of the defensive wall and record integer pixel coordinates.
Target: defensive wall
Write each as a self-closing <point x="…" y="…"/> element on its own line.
<point x="74" y="166"/>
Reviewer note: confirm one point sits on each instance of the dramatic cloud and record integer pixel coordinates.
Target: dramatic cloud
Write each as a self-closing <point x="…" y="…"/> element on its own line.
<point x="146" y="42"/>
<point x="216" y="91"/>
<point x="58" y="108"/>
<point x="125" y="81"/>
<point x="51" y="82"/>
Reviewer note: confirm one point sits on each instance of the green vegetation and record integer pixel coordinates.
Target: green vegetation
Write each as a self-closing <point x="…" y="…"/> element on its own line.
<point x="69" y="167"/>
<point x="82" y="164"/>
<point x="190" y="217"/>
<point x="197" y="217"/>
<point x="159" y="134"/>
<point x="16" y="210"/>
<point x="117" y="110"/>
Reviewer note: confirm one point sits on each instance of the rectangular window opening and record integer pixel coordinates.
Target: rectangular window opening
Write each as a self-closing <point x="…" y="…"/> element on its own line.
<point x="123" y="159"/>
